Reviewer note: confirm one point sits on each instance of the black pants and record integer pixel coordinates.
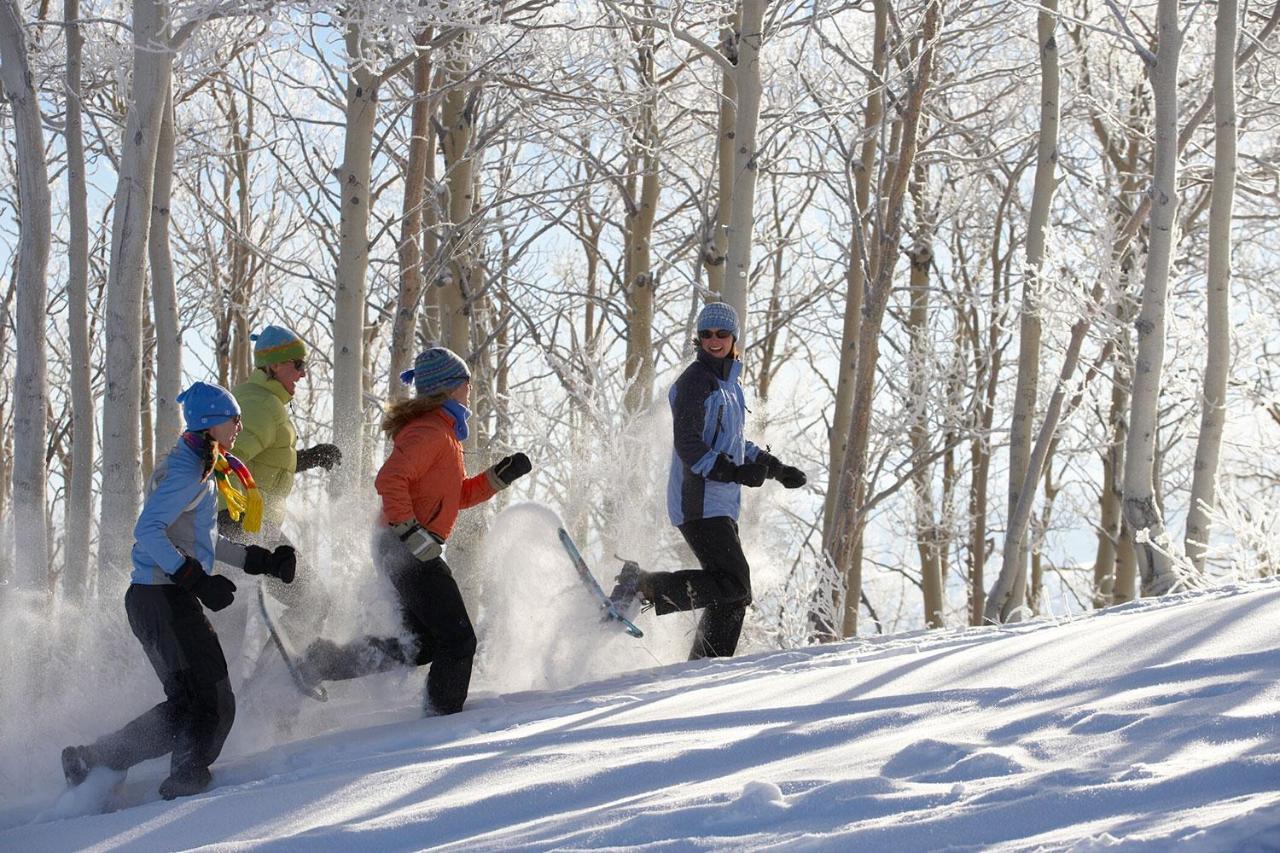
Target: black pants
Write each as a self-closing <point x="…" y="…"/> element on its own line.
<point x="722" y="587"/>
<point x="195" y="718"/>
<point x="434" y="615"/>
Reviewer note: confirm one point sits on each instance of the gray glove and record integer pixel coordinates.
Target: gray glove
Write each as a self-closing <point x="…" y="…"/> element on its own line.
<point x="424" y="544"/>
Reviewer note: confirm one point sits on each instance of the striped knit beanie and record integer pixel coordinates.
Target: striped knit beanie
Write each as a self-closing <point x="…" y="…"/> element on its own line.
<point x="275" y="345"/>
<point x="718" y="315"/>
<point x="435" y="370"/>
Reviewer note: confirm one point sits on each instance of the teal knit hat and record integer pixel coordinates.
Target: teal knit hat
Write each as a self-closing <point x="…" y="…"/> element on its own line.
<point x="275" y="345"/>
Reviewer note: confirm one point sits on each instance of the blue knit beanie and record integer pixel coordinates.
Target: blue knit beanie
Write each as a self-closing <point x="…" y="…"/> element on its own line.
<point x="718" y="315"/>
<point x="435" y="370"/>
<point x="276" y="345"/>
<point x="206" y="405"/>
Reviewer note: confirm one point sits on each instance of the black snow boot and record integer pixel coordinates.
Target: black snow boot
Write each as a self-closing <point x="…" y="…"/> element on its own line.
<point x="77" y="761"/>
<point x="184" y="783"/>
<point x="632" y="584"/>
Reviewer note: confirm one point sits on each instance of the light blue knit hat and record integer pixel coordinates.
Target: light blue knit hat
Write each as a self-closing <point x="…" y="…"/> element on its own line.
<point x="718" y="315"/>
<point x="435" y="370"/>
<point x="206" y="405"/>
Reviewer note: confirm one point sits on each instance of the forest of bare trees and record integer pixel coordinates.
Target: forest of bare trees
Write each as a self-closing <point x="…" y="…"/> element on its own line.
<point x="1007" y="272"/>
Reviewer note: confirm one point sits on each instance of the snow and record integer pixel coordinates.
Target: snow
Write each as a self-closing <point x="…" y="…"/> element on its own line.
<point x="1141" y="727"/>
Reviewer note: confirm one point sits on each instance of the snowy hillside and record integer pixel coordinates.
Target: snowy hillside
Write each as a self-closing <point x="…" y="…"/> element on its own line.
<point x="1133" y="729"/>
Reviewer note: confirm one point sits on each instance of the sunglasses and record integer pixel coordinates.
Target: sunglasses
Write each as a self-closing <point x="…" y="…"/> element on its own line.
<point x="708" y="334"/>
<point x="299" y="365"/>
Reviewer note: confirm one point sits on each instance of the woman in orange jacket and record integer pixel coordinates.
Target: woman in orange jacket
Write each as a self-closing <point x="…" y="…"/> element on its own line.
<point x="423" y="485"/>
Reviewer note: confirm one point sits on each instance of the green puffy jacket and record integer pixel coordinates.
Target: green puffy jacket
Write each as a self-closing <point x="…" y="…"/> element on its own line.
<point x="267" y="443"/>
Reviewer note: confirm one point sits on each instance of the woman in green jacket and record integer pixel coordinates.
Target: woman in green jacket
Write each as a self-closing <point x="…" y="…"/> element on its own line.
<point x="268" y="446"/>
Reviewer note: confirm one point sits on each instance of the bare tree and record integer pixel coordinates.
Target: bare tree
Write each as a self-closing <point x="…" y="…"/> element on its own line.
<point x="1218" y="286"/>
<point x="31" y="394"/>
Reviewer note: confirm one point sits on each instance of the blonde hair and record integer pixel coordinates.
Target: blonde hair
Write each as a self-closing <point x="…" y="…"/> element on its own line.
<point x="398" y="414"/>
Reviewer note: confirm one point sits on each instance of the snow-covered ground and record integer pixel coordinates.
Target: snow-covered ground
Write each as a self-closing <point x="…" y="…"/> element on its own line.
<point x="1139" y="728"/>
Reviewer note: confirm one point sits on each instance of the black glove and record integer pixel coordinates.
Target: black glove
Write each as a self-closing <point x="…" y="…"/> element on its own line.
<point x="214" y="591"/>
<point x="790" y="477"/>
<point x="748" y="474"/>
<point x="282" y="563"/>
<point x="321" y="456"/>
<point x="509" y="469"/>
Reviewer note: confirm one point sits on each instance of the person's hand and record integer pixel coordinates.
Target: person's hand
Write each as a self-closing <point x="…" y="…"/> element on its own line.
<point x="748" y="474"/>
<point x="321" y="456"/>
<point x="751" y="474"/>
<point x="214" y="591"/>
<point x="282" y="563"/>
<point x="509" y="469"/>
<point x="789" y="476"/>
<point x="424" y="544"/>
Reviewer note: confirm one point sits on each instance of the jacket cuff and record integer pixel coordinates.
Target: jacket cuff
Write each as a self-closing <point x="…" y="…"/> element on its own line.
<point x="495" y="482"/>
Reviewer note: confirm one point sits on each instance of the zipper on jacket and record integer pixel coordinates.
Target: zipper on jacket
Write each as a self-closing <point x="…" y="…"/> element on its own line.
<point x="719" y="420"/>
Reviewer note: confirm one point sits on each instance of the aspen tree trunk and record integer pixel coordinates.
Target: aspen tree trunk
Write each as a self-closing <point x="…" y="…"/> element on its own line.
<point x="421" y="152"/>
<point x="131" y="221"/>
<point x="457" y="115"/>
<point x="164" y="297"/>
<point x="80" y="495"/>
<point x="146" y="424"/>
<point x="855" y="276"/>
<point x="639" y="235"/>
<point x="1110" y="534"/>
<point x="1022" y="425"/>
<point x="1140" y="508"/>
<point x="31" y="533"/>
<point x="1218" y="307"/>
<point x="240" y="354"/>
<point x="928" y="538"/>
<point x="852" y="479"/>
<point x="353" y="261"/>
<point x="745" y="166"/>
<point x="717" y="242"/>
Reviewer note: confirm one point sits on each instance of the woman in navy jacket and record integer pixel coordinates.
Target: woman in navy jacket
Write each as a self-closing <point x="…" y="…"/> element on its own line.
<point x="710" y="463"/>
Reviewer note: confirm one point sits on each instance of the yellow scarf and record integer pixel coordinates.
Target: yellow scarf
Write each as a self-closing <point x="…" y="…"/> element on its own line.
<point x="247" y="503"/>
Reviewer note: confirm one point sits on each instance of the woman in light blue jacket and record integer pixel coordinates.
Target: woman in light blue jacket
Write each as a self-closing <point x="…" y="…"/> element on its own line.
<point x="710" y="463"/>
<point x="176" y="544"/>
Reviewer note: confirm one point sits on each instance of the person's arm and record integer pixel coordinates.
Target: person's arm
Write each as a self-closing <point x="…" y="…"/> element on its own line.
<point x="173" y="489"/>
<point x="688" y="417"/>
<point x="477" y="489"/>
<point x="229" y="551"/>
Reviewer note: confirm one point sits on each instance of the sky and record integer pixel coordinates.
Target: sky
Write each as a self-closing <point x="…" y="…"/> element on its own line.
<point x="1142" y="727"/>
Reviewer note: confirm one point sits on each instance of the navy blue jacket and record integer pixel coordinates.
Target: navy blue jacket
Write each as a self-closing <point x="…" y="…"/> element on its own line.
<point x="708" y="414"/>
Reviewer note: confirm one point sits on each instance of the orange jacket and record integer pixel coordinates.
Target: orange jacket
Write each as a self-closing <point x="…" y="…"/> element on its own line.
<point x="423" y="478"/>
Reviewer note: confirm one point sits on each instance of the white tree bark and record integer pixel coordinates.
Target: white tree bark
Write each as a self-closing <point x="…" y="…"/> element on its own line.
<point x="1218" y="308"/>
<point x="353" y="261"/>
<point x="1140" y="508"/>
<point x="747" y="83"/>
<point x="130" y="224"/>
<point x="716" y="243"/>
<point x="164" y="298"/>
<point x="83" y="428"/>
<point x="638" y="235"/>
<point x="457" y="117"/>
<point x="1022" y="424"/>
<point x="855" y="275"/>
<point x="31" y="535"/>
<point x="421" y="154"/>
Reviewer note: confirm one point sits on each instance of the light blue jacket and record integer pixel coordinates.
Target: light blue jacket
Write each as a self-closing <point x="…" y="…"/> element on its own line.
<point x="708" y="414"/>
<point x="179" y="519"/>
